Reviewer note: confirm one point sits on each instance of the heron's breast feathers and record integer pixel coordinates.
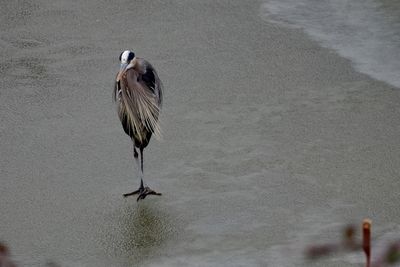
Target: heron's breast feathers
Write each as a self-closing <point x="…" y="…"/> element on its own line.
<point x="141" y="108"/>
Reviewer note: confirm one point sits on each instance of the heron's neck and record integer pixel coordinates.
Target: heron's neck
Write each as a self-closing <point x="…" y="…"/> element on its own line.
<point x="131" y="64"/>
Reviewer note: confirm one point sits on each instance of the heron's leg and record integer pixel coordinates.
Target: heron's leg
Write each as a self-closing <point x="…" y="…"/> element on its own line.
<point x="138" y="170"/>
<point x="141" y="167"/>
<point x="143" y="191"/>
<point x="147" y="191"/>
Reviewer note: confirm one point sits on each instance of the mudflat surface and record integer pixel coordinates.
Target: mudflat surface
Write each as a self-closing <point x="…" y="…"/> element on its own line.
<point x="270" y="142"/>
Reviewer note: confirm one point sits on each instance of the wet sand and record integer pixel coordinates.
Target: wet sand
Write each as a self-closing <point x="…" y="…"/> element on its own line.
<point x="270" y="142"/>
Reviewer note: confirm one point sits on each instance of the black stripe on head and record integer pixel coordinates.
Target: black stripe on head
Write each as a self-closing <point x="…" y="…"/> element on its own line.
<point x="131" y="56"/>
<point x="120" y="56"/>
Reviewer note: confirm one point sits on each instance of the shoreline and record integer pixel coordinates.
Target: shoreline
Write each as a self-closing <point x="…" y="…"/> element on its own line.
<point x="371" y="46"/>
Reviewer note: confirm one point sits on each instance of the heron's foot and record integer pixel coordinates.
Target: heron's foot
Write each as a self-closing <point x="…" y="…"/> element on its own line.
<point x="133" y="193"/>
<point x="143" y="192"/>
<point x="147" y="191"/>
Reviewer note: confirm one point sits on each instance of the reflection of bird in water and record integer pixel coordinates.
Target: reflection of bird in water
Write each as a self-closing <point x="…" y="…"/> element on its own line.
<point x="138" y="93"/>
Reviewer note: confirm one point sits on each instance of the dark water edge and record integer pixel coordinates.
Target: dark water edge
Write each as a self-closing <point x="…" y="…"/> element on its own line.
<point x="366" y="32"/>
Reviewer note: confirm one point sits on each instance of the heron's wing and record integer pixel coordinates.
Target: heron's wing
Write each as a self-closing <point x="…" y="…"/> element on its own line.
<point x="150" y="78"/>
<point x="139" y="105"/>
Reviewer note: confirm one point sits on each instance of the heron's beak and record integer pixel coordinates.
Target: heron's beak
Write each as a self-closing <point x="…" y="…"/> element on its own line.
<point x="121" y="71"/>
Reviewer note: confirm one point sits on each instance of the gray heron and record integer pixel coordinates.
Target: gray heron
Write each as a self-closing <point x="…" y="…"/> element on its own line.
<point x="138" y="94"/>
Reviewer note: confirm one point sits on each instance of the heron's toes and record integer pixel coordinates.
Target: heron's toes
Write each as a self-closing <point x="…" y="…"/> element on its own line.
<point x="132" y="193"/>
<point x="145" y="192"/>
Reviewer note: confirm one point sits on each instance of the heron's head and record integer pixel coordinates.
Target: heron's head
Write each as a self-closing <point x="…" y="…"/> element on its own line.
<point x="126" y="58"/>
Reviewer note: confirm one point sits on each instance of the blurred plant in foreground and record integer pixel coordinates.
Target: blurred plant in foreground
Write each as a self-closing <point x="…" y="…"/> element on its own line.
<point x="390" y="256"/>
<point x="5" y="260"/>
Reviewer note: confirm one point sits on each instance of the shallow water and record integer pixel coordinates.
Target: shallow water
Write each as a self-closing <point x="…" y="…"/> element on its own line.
<point x="367" y="32"/>
<point x="270" y="141"/>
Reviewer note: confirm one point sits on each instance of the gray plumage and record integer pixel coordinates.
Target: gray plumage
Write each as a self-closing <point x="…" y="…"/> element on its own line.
<point x="139" y="98"/>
